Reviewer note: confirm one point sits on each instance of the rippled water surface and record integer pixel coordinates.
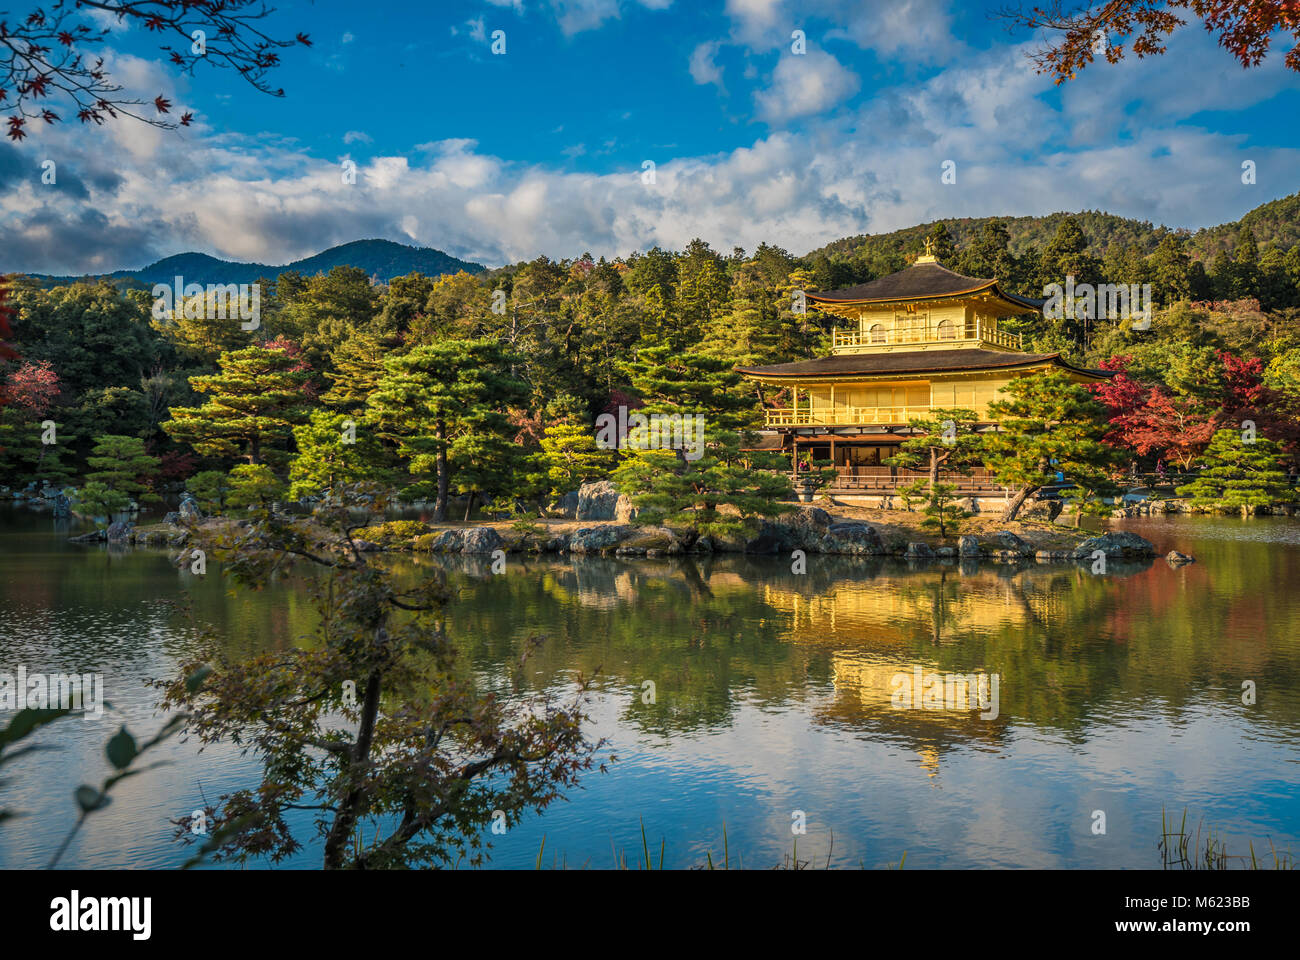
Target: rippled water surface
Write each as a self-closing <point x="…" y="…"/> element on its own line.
<point x="1119" y="693"/>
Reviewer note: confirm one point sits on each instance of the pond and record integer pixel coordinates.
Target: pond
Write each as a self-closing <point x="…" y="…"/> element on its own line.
<point x="774" y="699"/>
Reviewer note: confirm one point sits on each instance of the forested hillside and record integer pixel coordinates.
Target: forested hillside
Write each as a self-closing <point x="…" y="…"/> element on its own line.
<point x="1108" y="238"/>
<point x="529" y="354"/>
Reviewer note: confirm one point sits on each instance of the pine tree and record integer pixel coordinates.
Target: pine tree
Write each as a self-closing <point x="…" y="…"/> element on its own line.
<point x="1240" y="475"/>
<point x="358" y="364"/>
<point x="210" y="488"/>
<point x="747" y="334"/>
<point x="253" y="406"/>
<point x="444" y="405"/>
<point x="100" y="501"/>
<point x="706" y="484"/>
<point x="1091" y="489"/>
<point x="123" y="464"/>
<point x="942" y="511"/>
<point x="569" y="448"/>
<point x="200" y="331"/>
<point x="336" y="448"/>
<point x="941" y="245"/>
<point x="989" y="256"/>
<point x="1047" y="424"/>
<point x="1066" y="255"/>
<point x="945" y="440"/>
<point x="1170" y="271"/>
<point x="254" y="485"/>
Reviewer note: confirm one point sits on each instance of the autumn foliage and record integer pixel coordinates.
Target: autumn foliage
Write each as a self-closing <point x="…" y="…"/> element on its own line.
<point x="46" y="65"/>
<point x="1152" y="420"/>
<point x="1082" y="33"/>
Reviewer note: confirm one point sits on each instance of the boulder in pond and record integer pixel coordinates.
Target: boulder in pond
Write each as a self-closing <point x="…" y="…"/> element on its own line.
<point x="449" y="541"/>
<point x="1005" y="541"/>
<point x="567" y="505"/>
<point x="853" y="538"/>
<point x="119" y="531"/>
<point x="1116" y="544"/>
<point x="597" y="501"/>
<point x="598" y="539"/>
<point x="1177" y="559"/>
<point x="968" y="547"/>
<point x="650" y="541"/>
<point x="481" y="540"/>
<point x="624" y="511"/>
<point x="773" y="536"/>
<point x="919" y="551"/>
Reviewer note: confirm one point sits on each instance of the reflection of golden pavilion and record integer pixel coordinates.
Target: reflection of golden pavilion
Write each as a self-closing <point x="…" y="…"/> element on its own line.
<point x="864" y="699"/>
<point x="896" y="609"/>
<point x="873" y="627"/>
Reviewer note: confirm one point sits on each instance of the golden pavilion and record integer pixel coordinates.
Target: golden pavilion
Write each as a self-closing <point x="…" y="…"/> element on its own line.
<point x="922" y="339"/>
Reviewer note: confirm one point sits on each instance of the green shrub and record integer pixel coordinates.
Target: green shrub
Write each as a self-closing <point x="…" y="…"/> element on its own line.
<point x="393" y="531"/>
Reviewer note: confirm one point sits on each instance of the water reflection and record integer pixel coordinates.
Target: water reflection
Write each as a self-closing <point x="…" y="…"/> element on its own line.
<point x="771" y="692"/>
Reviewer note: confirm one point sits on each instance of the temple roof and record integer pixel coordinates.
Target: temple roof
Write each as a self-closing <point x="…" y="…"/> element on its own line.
<point x="913" y="362"/>
<point x="920" y="281"/>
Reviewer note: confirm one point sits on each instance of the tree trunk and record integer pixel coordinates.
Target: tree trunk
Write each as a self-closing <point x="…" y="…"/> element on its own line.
<point x="1018" y="501"/>
<point x="440" y="506"/>
<point x="346" y="817"/>
<point x="469" y="505"/>
<point x="934" y="468"/>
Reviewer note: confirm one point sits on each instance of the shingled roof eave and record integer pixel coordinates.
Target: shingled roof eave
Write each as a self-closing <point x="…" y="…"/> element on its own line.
<point x="1029" y="303"/>
<point x="1053" y="359"/>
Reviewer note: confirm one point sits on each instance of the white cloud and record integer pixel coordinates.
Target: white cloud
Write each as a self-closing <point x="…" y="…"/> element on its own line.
<point x="921" y="29"/>
<point x="806" y="84"/>
<point x="574" y="16"/>
<point x="348" y="38"/>
<point x="1017" y="147"/>
<point x="703" y="67"/>
<point x="357" y="136"/>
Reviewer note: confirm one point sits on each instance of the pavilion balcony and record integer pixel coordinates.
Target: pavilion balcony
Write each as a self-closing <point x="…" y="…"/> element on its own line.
<point x="869" y="480"/>
<point x="925" y="334"/>
<point x="844" y="416"/>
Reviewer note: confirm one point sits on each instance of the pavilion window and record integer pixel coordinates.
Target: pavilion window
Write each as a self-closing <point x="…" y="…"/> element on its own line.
<point x="946" y="330"/>
<point x="876" y="333"/>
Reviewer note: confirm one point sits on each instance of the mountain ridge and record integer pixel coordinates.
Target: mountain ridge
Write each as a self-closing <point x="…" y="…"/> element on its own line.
<point x="384" y="259"/>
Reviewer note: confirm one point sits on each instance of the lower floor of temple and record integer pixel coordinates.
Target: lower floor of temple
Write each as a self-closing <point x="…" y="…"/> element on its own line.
<point x="861" y="463"/>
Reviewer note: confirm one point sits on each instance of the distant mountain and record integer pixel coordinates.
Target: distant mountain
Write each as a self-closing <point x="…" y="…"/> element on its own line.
<point x="1277" y="220"/>
<point x="383" y="259"/>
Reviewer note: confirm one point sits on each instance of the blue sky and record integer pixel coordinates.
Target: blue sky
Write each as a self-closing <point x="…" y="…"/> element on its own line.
<point x="541" y="150"/>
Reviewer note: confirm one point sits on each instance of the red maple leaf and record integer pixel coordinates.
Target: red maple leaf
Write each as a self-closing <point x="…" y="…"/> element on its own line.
<point x="162" y="104"/>
<point x="304" y="39"/>
<point x="186" y="119"/>
<point x="16" y="131"/>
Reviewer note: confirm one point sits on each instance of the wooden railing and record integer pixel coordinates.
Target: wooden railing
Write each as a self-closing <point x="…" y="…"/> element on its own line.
<point x="844" y="416"/>
<point x="885" y="479"/>
<point x="927" y="335"/>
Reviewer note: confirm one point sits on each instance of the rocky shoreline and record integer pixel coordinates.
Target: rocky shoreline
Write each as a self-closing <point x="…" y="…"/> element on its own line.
<point x="807" y="528"/>
<point x="810" y="529"/>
